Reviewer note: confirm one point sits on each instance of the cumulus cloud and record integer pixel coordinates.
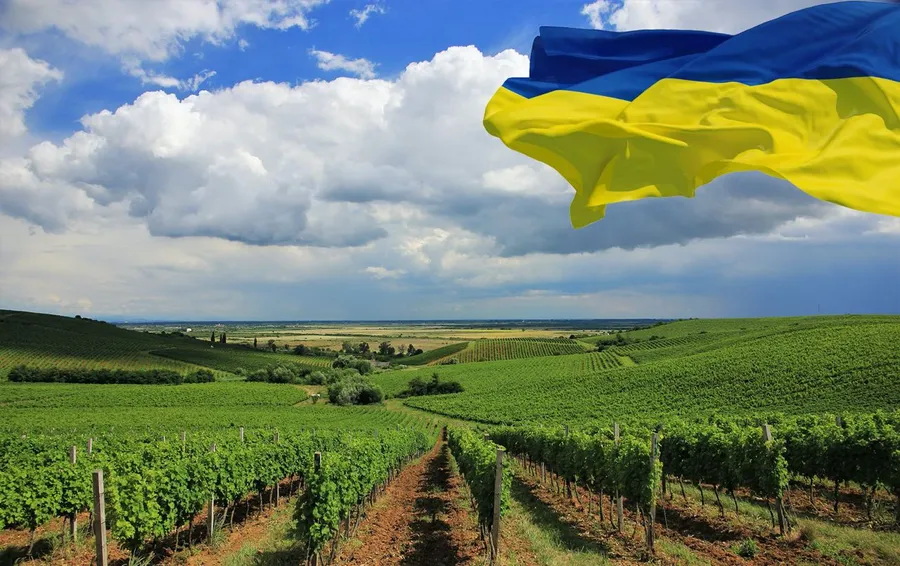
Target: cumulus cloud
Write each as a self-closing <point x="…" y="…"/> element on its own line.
<point x="362" y="68"/>
<point x="20" y="78"/>
<point x="362" y="16"/>
<point x="350" y="162"/>
<point x="726" y="16"/>
<point x="152" y="30"/>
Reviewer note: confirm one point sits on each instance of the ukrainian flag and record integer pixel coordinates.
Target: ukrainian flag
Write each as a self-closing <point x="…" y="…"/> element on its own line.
<point x="812" y="97"/>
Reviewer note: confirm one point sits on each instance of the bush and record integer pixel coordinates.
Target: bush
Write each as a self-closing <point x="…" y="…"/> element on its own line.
<point x="281" y="374"/>
<point x="418" y="387"/>
<point x="748" y="548"/>
<point x="349" y="362"/>
<point x="354" y="389"/>
<point x="25" y="374"/>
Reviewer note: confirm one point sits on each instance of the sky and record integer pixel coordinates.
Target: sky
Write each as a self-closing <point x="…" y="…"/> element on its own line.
<point x="316" y="159"/>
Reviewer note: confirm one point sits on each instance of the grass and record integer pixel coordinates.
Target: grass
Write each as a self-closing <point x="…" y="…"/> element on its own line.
<point x="279" y="546"/>
<point x="552" y="541"/>
<point x="851" y="546"/>
<point x="680" y="553"/>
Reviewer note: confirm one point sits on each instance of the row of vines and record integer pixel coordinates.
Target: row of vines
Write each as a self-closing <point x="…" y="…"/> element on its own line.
<point x="154" y="486"/>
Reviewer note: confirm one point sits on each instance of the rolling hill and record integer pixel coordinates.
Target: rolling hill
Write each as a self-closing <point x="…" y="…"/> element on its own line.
<point x="691" y="368"/>
<point x="44" y="340"/>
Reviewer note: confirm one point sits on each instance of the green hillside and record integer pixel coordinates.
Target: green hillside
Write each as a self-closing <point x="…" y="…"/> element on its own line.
<point x="493" y="349"/>
<point x="44" y="340"/>
<point x="434" y="355"/>
<point x="809" y="365"/>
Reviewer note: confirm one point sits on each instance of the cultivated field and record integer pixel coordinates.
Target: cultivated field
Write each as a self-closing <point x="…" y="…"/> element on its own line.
<point x="825" y="489"/>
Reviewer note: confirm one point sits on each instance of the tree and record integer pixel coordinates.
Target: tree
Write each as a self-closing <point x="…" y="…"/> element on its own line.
<point x="273" y="345"/>
<point x="411" y="350"/>
<point x="347" y="348"/>
<point x="385" y="349"/>
<point x="301" y="350"/>
<point x="212" y="337"/>
<point x="222" y="338"/>
<point x="254" y="342"/>
<point x="363" y="347"/>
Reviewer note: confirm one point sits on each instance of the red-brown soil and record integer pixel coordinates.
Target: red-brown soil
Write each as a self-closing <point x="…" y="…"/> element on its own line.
<point x="420" y="520"/>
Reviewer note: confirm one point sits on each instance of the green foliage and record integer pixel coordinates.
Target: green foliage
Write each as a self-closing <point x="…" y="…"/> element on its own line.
<point x="281" y="374"/>
<point x="349" y="362"/>
<point x="726" y="454"/>
<point x="25" y="374"/>
<point x="155" y="483"/>
<point x="348" y="473"/>
<point x="354" y="389"/>
<point x="590" y="459"/>
<point x="805" y="369"/>
<point x="418" y="386"/>
<point x="746" y="548"/>
<point x="477" y="461"/>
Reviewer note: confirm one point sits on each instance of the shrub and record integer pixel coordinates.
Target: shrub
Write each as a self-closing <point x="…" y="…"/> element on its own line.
<point x="25" y="374"/>
<point x="748" y="548"/>
<point x="354" y="389"/>
<point x="418" y="387"/>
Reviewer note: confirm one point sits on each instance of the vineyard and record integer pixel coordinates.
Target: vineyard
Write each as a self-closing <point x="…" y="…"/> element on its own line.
<point x="157" y="484"/>
<point x="233" y="358"/>
<point x="724" y="429"/>
<point x="486" y="350"/>
<point x="817" y="369"/>
<point x="48" y="341"/>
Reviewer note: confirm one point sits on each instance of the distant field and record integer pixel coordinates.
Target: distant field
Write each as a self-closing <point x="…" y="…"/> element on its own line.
<point x="794" y="366"/>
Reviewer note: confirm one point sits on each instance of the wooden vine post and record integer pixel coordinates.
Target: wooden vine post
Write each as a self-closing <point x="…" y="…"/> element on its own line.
<point x="211" y="515"/>
<point x="73" y="519"/>
<point x="498" y="491"/>
<point x="100" y="519"/>
<point x="317" y="464"/>
<point x="242" y="434"/>
<point x="779" y="502"/>
<point x="620" y="513"/>
<point x="277" y="482"/>
<point x="90" y="446"/>
<point x="568" y="483"/>
<point x="654" y="456"/>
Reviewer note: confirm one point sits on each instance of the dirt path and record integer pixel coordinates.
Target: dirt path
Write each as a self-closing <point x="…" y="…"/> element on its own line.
<point x="421" y="520"/>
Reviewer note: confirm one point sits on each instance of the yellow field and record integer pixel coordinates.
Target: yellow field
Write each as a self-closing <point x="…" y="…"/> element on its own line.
<point x="424" y="337"/>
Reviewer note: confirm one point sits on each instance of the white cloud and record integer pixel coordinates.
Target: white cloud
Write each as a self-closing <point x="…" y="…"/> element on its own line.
<point x="20" y="78"/>
<point x="596" y="12"/>
<point x="191" y="84"/>
<point x="243" y="44"/>
<point x="726" y="16"/>
<point x="362" y="16"/>
<point x="152" y="30"/>
<point x="362" y="68"/>
<point x="350" y="162"/>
